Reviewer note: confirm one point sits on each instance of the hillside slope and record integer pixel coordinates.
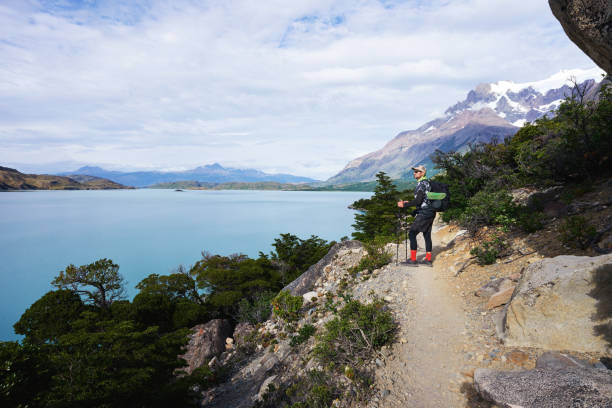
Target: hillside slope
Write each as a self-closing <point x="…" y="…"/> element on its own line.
<point x="11" y="179"/>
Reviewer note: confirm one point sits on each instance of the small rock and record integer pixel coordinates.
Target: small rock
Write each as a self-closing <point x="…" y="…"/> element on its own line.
<point x="379" y="363"/>
<point x="310" y="296"/>
<point x="501" y="298"/>
<point x="517" y="357"/>
<point x="213" y="362"/>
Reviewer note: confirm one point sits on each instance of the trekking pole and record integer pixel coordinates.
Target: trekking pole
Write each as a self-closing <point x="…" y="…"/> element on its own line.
<point x="406" y="240"/>
<point x="398" y="234"/>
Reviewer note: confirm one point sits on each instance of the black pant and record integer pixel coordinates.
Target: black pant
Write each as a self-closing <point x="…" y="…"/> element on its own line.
<point x="422" y="223"/>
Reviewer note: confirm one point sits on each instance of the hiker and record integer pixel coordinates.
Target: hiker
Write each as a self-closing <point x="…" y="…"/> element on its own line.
<point x="425" y="215"/>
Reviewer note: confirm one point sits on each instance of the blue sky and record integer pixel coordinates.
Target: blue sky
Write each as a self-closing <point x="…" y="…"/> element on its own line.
<point x="295" y="86"/>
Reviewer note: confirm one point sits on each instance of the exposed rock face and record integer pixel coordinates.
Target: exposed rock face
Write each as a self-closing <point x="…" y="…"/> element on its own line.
<point x="305" y="281"/>
<point x="241" y="332"/>
<point x="588" y="23"/>
<point x="207" y="340"/>
<point x="245" y="387"/>
<point x="546" y="388"/>
<point x="563" y="303"/>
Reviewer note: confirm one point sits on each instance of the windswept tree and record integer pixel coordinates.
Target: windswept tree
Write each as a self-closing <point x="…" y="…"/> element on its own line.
<point x="377" y="216"/>
<point x="99" y="282"/>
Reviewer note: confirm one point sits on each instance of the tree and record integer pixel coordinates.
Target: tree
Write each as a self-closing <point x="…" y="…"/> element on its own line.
<point x="377" y="216"/>
<point x="100" y="282"/>
<point x="297" y="255"/>
<point x="50" y="317"/>
<point x="25" y="374"/>
<point x="228" y="279"/>
<point x="108" y="363"/>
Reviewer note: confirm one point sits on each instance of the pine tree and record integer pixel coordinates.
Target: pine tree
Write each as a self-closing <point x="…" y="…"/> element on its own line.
<point x="377" y="216"/>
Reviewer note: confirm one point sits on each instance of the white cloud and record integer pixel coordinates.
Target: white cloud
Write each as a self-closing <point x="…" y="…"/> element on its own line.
<point x="300" y="87"/>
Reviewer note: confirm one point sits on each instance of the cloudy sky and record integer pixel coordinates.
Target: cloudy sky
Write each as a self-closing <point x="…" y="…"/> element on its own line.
<point x="288" y="86"/>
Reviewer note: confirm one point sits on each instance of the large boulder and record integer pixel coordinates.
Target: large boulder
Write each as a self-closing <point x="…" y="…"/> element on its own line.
<point x="562" y="303"/>
<point x="306" y="281"/>
<point x="206" y="341"/>
<point x="588" y="23"/>
<point x="546" y="388"/>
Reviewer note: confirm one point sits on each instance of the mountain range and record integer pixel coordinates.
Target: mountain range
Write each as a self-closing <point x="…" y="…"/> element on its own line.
<point x="210" y="173"/>
<point x="491" y="111"/>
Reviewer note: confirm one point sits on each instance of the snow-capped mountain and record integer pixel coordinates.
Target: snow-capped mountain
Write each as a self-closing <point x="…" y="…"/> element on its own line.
<point x="490" y="111"/>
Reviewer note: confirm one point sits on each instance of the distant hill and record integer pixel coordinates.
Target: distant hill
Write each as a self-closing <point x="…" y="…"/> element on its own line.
<point x="263" y="185"/>
<point x="271" y="185"/>
<point x="211" y="173"/>
<point x="11" y="179"/>
<point x="490" y="112"/>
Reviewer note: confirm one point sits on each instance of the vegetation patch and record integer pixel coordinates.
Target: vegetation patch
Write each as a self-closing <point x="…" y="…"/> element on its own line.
<point x="376" y="257"/>
<point x="286" y="306"/>
<point x="303" y="335"/>
<point x="576" y="232"/>
<point x="489" y="251"/>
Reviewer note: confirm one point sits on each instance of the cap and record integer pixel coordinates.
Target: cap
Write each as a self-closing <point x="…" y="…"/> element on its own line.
<point x="420" y="168"/>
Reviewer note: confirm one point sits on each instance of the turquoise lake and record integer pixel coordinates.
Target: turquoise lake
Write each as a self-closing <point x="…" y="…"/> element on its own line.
<point x="147" y="231"/>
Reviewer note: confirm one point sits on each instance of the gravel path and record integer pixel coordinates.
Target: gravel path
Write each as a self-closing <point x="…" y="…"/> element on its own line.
<point x="424" y="367"/>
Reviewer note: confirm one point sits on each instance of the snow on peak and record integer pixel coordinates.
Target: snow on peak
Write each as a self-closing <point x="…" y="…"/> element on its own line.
<point x="555" y="81"/>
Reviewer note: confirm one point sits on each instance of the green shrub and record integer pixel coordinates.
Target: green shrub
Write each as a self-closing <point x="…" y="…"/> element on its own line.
<point x="490" y="251"/>
<point x="489" y="208"/>
<point x="303" y="335"/>
<point x="376" y="257"/>
<point x="530" y="221"/>
<point x="316" y="391"/>
<point x="286" y="306"/>
<point x="355" y="334"/>
<point x="256" y="311"/>
<point x="576" y="232"/>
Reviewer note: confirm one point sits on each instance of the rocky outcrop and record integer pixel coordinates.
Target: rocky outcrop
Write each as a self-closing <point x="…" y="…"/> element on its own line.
<point x="562" y="303"/>
<point x="242" y="332"/>
<point x="247" y="385"/>
<point x="305" y="282"/>
<point x="588" y="23"/>
<point x="206" y="341"/>
<point x="546" y="388"/>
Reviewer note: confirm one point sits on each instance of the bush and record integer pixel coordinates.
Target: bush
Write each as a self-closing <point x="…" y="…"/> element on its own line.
<point x="355" y="334"/>
<point x="316" y="391"/>
<point x="376" y="257"/>
<point x="530" y="221"/>
<point x="286" y="306"/>
<point x="576" y="232"/>
<point x="256" y="311"/>
<point x="490" y="251"/>
<point x="303" y="335"/>
<point x="489" y="208"/>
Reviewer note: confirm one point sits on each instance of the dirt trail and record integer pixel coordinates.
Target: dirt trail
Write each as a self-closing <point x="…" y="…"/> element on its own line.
<point x="423" y="369"/>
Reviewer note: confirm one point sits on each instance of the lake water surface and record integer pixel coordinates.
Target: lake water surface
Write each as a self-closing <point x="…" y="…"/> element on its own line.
<point x="146" y="231"/>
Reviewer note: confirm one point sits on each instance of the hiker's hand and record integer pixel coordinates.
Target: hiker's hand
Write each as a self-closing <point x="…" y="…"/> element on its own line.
<point x="400" y="204"/>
